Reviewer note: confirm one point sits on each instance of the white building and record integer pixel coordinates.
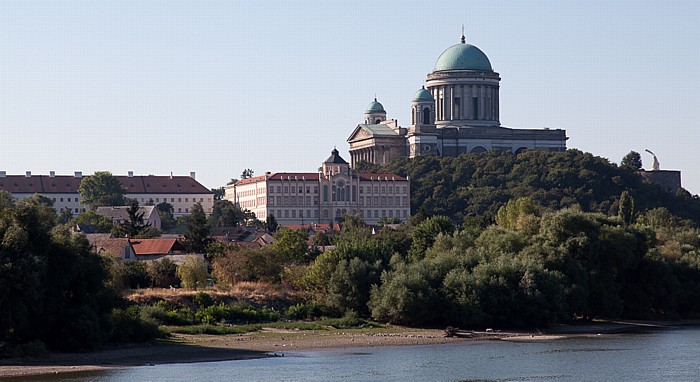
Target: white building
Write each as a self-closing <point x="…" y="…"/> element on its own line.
<point x="182" y="192"/>
<point x="306" y="198"/>
<point x="120" y="214"/>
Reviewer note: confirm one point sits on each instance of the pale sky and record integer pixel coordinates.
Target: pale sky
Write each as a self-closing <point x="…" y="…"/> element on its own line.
<point x="218" y="86"/>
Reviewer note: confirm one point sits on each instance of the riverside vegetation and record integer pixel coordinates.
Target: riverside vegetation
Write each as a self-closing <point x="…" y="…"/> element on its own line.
<point x="497" y="240"/>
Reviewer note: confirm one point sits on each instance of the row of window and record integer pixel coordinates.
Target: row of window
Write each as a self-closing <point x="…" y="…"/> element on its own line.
<point x="391" y="189"/>
<point x="293" y="189"/>
<point x="311" y="214"/>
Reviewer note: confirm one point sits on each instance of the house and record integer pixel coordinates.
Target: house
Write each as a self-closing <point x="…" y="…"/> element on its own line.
<point x="119" y="249"/>
<point x="120" y="214"/>
<point x="153" y="249"/>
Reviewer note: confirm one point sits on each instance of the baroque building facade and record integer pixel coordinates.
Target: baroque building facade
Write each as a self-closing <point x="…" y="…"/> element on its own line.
<point x="295" y="198"/>
<point x="456" y="112"/>
<point x="182" y="192"/>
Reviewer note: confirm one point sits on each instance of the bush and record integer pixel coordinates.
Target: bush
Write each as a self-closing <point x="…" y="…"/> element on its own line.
<point x="310" y="310"/>
<point x="237" y="313"/>
<point x="193" y="272"/>
<point x="203" y="300"/>
<point x="33" y="349"/>
<point x="130" y="327"/>
<point x="216" y="330"/>
<point x="157" y="313"/>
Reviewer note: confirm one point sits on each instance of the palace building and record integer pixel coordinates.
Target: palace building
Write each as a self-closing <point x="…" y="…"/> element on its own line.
<point x="456" y="112"/>
<point x="319" y="198"/>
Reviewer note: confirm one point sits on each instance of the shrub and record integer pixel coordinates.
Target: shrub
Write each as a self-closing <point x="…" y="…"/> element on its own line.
<point x="193" y="272"/>
<point x="310" y="310"/>
<point x="203" y="300"/>
<point x="237" y="313"/>
<point x="33" y="349"/>
<point x="156" y="313"/>
<point x="130" y="327"/>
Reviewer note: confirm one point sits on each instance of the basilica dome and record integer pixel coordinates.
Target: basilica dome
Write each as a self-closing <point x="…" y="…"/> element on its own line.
<point x="375" y="107"/>
<point x="463" y="56"/>
<point x="423" y="95"/>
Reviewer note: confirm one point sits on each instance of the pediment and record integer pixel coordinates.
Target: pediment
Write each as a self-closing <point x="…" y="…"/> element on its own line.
<point x="360" y="133"/>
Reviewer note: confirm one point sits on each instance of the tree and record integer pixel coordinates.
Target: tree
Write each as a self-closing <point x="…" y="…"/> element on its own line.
<point x="65" y="216"/>
<point x="218" y="193"/>
<point x="247" y="173"/>
<point x="425" y="233"/>
<point x="193" y="272"/>
<point x="225" y="214"/>
<point x="91" y="218"/>
<point x="162" y="272"/>
<point x="165" y="211"/>
<point x="292" y="245"/>
<point x="632" y="161"/>
<point x="102" y="189"/>
<point x="197" y="233"/>
<point x="135" y="226"/>
<point x="271" y="223"/>
<point x="626" y="211"/>
<point x="512" y="214"/>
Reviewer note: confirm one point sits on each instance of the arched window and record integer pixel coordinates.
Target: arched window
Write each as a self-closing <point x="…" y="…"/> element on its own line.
<point x="325" y="214"/>
<point x="341" y="191"/>
<point x="337" y="214"/>
<point x="478" y="150"/>
<point x="377" y="121"/>
<point x="426" y="116"/>
<point x="325" y="193"/>
<point x="354" y="193"/>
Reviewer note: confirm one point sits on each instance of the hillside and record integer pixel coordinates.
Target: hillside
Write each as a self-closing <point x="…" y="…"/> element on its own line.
<point x="478" y="184"/>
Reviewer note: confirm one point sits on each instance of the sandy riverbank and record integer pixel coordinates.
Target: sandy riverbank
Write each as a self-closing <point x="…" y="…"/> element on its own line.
<point x="205" y="348"/>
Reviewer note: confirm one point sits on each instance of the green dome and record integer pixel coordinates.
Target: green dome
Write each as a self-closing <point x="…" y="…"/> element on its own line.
<point x="463" y="57"/>
<point x="423" y="95"/>
<point x="375" y="107"/>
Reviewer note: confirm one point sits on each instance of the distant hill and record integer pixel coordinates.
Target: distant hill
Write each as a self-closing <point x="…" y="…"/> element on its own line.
<point x="478" y="184"/>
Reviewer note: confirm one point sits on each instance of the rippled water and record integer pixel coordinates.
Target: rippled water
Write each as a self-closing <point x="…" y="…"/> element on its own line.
<point x="669" y="355"/>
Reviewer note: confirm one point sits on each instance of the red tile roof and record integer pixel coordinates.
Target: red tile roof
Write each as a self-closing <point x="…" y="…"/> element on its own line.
<point x="150" y="184"/>
<point x="155" y="246"/>
<point x="112" y="246"/>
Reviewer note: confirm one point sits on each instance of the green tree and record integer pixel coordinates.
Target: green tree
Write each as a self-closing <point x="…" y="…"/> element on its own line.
<point x="271" y="223"/>
<point x="65" y="216"/>
<point x="162" y="272"/>
<point x="225" y="214"/>
<point x="247" y="173"/>
<point x="135" y="226"/>
<point x="52" y="286"/>
<point x="292" y="245"/>
<point x="218" y="193"/>
<point x="102" y="189"/>
<point x="626" y="210"/>
<point x="426" y="232"/>
<point x="165" y="211"/>
<point x="512" y="214"/>
<point x="632" y="161"/>
<point x="197" y="234"/>
<point x="193" y="272"/>
<point x="92" y="218"/>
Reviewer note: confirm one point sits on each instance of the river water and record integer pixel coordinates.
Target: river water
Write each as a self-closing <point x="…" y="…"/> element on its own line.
<point x="667" y="355"/>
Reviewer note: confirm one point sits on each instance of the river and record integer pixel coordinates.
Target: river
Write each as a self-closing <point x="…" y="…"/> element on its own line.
<point x="666" y="355"/>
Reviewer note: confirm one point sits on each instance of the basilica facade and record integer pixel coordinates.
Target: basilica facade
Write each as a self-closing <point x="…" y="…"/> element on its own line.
<point x="456" y="112"/>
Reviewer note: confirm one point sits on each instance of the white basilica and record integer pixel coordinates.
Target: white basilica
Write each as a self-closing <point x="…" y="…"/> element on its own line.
<point x="456" y="112"/>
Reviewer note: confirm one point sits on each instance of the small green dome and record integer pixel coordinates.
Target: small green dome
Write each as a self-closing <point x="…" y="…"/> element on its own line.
<point x="463" y="57"/>
<point x="423" y="95"/>
<point x="375" y="107"/>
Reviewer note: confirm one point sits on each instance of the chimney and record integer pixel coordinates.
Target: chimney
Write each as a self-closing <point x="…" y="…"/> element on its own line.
<point x="171" y="174"/>
<point x="3" y="174"/>
<point x="131" y="174"/>
<point x="28" y="174"/>
<point x="192" y="175"/>
<point x="52" y="174"/>
<point x="78" y="174"/>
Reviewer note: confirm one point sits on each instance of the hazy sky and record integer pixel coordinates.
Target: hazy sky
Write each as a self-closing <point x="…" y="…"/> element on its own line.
<point x="218" y="86"/>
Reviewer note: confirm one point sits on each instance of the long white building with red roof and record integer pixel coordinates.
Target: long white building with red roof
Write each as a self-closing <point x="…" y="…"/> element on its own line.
<point x="182" y="192"/>
<point x="295" y="198"/>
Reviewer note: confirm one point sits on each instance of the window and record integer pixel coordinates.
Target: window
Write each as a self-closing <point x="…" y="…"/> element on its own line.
<point x="187" y="200"/>
<point x="325" y="193"/>
<point x="383" y="190"/>
<point x="426" y="116"/>
<point x="286" y="189"/>
<point x="391" y="213"/>
<point x="316" y="213"/>
<point x="315" y="190"/>
<point x="308" y="190"/>
<point x="362" y="200"/>
<point x="325" y="214"/>
<point x="376" y="189"/>
<point x="404" y="213"/>
<point x="187" y="210"/>
<point x="279" y="200"/>
<point x="294" y="189"/>
<point x="376" y="213"/>
<point x="157" y="199"/>
<point x="279" y="189"/>
<point x="286" y="213"/>
<point x="361" y="190"/>
<point x="383" y="213"/>
<point x="383" y="201"/>
<point x="376" y="200"/>
<point x="391" y="190"/>
<point x="179" y="210"/>
<point x="61" y="199"/>
<point x="201" y="200"/>
<point x="77" y="210"/>
<point x="475" y="108"/>
<point x="179" y="200"/>
<point x="403" y="190"/>
<point x="294" y="213"/>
